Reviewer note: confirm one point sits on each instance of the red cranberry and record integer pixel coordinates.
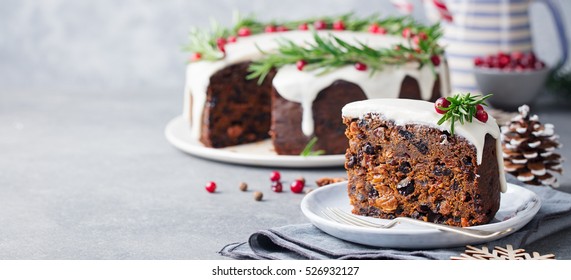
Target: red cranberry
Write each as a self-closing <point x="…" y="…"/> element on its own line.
<point x="382" y="30"/>
<point x="297" y="186"/>
<point x="422" y="36"/>
<point x="539" y="65"/>
<point x="303" y="26"/>
<point x="482" y="116"/>
<point x="407" y="33"/>
<point x="221" y="42"/>
<point x="277" y="186"/>
<point x="244" y="31"/>
<point x="441" y="103"/>
<point x="339" y="25"/>
<point x="478" y="61"/>
<point x="360" y="66"/>
<point x="270" y="29"/>
<point x="281" y="28"/>
<point x="232" y="39"/>
<point x="517" y="55"/>
<point x="479" y="107"/>
<point x="300" y="64"/>
<point x="503" y="61"/>
<point x="195" y="56"/>
<point x="374" y="28"/>
<point x="210" y="187"/>
<point x="435" y="60"/>
<point x="320" y="25"/>
<point x="275" y="176"/>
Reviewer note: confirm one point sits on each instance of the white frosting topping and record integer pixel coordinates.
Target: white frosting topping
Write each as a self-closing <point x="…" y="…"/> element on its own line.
<point x="406" y="111"/>
<point x="303" y="86"/>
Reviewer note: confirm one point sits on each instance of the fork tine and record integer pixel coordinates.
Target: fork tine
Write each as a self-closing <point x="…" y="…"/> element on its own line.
<point x="340" y="219"/>
<point x="353" y="219"/>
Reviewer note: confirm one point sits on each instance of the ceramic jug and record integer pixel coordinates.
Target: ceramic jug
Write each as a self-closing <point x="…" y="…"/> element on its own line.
<point x="483" y="27"/>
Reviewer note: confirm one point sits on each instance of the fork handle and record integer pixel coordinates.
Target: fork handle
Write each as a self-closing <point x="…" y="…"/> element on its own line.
<point x="476" y="233"/>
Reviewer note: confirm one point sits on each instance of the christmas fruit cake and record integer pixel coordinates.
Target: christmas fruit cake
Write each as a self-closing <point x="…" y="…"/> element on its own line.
<point x="289" y="80"/>
<point x="403" y="160"/>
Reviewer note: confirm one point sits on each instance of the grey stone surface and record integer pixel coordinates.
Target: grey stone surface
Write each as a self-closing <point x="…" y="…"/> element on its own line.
<point x="86" y="89"/>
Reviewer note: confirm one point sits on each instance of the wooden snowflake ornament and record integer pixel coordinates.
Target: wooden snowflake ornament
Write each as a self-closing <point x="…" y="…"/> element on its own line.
<point x="499" y="253"/>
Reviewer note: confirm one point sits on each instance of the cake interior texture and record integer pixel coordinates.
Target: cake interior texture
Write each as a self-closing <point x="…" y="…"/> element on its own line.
<point x="419" y="171"/>
<point x="237" y="110"/>
<point x="240" y="110"/>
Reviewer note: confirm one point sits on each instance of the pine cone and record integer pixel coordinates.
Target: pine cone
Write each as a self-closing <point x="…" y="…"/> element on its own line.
<point x="528" y="149"/>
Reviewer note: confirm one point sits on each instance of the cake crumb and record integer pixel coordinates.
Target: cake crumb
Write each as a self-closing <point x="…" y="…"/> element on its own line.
<point x="329" y="180"/>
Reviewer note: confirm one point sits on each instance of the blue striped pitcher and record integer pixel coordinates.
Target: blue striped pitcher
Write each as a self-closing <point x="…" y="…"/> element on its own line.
<point x="483" y="27"/>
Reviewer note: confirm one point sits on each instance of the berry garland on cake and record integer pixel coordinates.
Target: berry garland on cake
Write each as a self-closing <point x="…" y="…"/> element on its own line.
<point x="528" y="149"/>
<point x="328" y="53"/>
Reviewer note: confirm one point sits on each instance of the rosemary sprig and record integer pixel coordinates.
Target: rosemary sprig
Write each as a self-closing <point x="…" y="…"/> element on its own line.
<point x="308" y="150"/>
<point x="462" y="108"/>
<point x="328" y="53"/>
<point x="204" y="42"/>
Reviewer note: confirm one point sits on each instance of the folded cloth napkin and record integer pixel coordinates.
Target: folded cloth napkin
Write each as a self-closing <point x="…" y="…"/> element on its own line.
<point x="305" y="241"/>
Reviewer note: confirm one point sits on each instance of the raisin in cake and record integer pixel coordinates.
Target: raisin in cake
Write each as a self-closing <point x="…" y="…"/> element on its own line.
<point x="401" y="163"/>
<point x="225" y="108"/>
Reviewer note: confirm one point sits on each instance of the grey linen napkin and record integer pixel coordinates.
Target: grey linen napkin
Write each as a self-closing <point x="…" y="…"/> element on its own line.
<point x="305" y="241"/>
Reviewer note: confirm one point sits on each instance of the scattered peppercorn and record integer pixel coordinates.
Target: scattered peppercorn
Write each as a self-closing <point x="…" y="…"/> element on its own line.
<point x="258" y="196"/>
<point x="243" y="186"/>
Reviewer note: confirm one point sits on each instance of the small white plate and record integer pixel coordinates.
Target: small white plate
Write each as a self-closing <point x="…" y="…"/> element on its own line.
<point x="259" y="153"/>
<point x="518" y="206"/>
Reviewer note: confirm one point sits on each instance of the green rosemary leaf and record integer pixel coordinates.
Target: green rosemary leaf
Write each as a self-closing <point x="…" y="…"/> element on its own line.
<point x="308" y="150"/>
<point x="462" y="108"/>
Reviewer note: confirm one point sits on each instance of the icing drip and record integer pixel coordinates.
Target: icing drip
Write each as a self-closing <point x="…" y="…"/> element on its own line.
<point x="406" y="111"/>
<point x="304" y="86"/>
<point x="286" y="81"/>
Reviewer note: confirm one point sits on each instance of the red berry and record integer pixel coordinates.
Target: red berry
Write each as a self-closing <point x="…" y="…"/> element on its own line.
<point x="482" y="116"/>
<point x="374" y="28"/>
<point x="360" y="66"/>
<point x="539" y="65"/>
<point x="281" y="28"/>
<point x="441" y="103"/>
<point x="195" y="56"/>
<point x="275" y="176"/>
<point x="300" y="64"/>
<point x="210" y="187"/>
<point x="320" y="25"/>
<point x="422" y="36"/>
<point x="503" y="61"/>
<point x="270" y="29"/>
<point x="339" y="25"/>
<point x="435" y="60"/>
<point x="221" y="42"/>
<point x="277" y="186"/>
<point x="517" y="55"/>
<point x="416" y="40"/>
<point x="479" y="107"/>
<point x="297" y="186"/>
<point x="382" y="30"/>
<point x="232" y="39"/>
<point x="303" y="26"/>
<point x="244" y="31"/>
<point x="478" y="61"/>
<point x="406" y="33"/>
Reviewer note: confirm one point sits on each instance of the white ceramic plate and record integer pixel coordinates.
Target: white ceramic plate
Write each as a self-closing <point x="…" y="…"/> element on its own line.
<point x="259" y="153"/>
<point x="517" y="207"/>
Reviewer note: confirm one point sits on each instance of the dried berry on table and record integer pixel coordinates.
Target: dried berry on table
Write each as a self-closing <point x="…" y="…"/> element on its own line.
<point x="210" y="187"/>
<point x="258" y="196"/>
<point x="329" y="180"/>
<point x="243" y="186"/>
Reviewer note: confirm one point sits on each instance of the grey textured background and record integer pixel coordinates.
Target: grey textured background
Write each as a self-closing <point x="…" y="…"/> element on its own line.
<point x="86" y="89"/>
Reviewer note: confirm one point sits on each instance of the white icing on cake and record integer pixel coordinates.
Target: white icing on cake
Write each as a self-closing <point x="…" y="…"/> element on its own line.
<point x="406" y="111"/>
<point x="303" y="86"/>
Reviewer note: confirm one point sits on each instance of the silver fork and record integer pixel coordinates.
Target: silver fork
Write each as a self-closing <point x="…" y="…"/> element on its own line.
<point x="337" y="215"/>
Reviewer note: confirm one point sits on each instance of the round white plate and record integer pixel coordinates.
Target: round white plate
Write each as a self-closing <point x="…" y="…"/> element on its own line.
<point x="259" y="153"/>
<point x="517" y="207"/>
